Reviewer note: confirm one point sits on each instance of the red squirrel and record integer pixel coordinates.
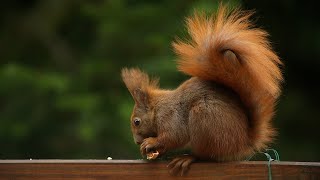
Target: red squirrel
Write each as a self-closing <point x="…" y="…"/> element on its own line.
<point x="224" y="111"/>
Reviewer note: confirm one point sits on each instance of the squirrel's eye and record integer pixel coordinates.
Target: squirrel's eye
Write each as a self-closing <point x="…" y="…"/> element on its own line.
<point x="136" y="121"/>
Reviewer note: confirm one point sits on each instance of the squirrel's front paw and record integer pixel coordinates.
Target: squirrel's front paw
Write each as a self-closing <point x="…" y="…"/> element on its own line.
<point x="150" y="145"/>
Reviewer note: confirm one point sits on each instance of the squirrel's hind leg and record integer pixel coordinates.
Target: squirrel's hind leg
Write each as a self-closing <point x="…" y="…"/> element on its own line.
<point x="180" y="165"/>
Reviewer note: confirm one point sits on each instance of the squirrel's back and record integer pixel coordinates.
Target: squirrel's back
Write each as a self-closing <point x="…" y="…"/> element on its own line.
<point x="227" y="49"/>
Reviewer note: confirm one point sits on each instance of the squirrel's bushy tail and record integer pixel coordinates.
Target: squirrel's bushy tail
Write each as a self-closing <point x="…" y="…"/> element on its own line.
<point x="227" y="49"/>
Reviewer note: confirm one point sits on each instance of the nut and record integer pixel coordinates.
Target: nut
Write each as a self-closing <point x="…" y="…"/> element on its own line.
<point x="152" y="155"/>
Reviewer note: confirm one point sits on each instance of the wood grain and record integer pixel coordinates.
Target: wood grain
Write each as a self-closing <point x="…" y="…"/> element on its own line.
<point x="139" y="169"/>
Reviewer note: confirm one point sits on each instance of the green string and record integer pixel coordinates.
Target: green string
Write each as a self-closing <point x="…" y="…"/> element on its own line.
<point x="277" y="158"/>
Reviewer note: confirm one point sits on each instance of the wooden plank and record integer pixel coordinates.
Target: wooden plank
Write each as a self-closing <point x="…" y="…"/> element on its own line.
<point x="139" y="169"/>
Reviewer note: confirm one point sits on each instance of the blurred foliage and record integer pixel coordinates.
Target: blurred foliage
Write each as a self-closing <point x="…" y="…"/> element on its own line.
<point x="61" y="95"/>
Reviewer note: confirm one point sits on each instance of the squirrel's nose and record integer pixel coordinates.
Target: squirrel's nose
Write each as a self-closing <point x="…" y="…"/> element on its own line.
<point x="138" y="139"/>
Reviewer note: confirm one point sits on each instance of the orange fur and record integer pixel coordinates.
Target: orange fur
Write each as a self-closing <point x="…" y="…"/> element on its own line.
<point x="255" y="75"/>
<point x="224" y="111"/>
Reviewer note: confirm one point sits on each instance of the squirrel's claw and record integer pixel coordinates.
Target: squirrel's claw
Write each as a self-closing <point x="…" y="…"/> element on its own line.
<point x="149" y="145"/>
<point x="180" y="165"/>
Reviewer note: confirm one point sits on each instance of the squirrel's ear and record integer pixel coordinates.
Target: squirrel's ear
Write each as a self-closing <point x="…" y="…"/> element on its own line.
<point x="137" y="83"/>
<point x="141" y="98"/>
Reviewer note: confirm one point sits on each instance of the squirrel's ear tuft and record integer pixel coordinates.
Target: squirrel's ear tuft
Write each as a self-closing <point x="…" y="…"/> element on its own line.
<point x="135" y="79"/>
<point x="138" y="84"/>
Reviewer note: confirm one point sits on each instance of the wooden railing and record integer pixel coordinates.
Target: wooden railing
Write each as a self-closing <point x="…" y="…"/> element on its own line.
<point x="138" y="169"/>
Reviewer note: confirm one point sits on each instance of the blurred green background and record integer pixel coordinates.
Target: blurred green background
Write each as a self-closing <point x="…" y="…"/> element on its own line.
<point x="61" y="95"/>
